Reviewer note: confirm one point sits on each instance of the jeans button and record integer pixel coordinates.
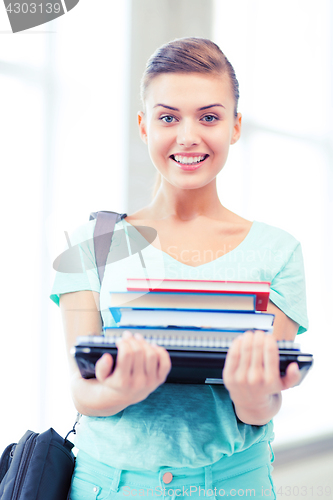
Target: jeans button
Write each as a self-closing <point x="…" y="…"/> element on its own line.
<point x="167" y="477"/>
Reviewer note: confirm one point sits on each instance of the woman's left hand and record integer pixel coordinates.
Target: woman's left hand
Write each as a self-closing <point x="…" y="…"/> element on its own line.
<point x="252" y="376"/>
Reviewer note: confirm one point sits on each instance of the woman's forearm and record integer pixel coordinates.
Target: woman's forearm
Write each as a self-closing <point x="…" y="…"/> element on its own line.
<point x="89" y="398"/>
<point x="259" y="414"/>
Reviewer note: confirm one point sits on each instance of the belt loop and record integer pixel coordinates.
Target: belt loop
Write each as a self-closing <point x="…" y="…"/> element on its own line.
<point x="209" y="482"/>
<point x="116" y="480"/>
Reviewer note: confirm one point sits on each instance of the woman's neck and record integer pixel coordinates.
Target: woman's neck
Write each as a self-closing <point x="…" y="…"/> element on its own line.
<point x="186" y="204"/>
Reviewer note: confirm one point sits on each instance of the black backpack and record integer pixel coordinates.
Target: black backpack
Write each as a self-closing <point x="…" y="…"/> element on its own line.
<point x="38" y="467"/>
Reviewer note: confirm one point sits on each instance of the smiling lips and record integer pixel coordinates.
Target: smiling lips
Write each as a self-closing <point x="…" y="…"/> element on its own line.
<point x="189" y="161"/>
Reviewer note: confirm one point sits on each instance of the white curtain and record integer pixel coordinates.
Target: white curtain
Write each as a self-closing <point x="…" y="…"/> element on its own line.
<point x="280" y="172"/>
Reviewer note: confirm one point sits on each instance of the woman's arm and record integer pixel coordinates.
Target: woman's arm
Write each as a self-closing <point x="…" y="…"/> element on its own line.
<point x="140" y="367"/>
<point x="284" y="327"/>
<point x="252" y="374"/>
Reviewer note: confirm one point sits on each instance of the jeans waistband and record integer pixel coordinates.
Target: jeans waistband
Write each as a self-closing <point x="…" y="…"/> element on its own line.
<point x="240" y="462"/>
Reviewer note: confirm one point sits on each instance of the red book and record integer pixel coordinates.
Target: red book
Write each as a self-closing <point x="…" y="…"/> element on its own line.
<point x="258" y="288"/>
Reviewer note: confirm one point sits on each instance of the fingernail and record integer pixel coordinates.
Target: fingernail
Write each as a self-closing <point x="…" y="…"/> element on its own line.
<point x="138" y="336"/>
<point x="127" y="334"/>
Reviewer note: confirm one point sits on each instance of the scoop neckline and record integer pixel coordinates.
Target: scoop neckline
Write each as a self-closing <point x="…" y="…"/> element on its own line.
<point x="244" y="241"/>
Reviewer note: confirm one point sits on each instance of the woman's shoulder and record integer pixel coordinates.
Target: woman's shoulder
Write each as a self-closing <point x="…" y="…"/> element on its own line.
<point x="274" y="231"/>
<point x="263" y="233"/>
<point x="274" y="238"/>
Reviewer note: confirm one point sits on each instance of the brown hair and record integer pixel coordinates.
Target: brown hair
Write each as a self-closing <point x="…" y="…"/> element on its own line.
<point x="188" y="55"/>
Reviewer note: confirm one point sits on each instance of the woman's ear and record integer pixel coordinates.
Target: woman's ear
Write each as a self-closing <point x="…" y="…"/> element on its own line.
<point x="237" y="129"/>
<point x="142" y="126"/>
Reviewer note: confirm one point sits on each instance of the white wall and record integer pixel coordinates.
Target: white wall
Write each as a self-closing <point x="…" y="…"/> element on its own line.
<point x="62" y="153"/>
<point x="281" y="168"/>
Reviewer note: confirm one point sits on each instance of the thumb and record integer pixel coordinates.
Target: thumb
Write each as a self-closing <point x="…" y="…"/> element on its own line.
<point x="103" y="367"/>
<point x="292" y="377"/>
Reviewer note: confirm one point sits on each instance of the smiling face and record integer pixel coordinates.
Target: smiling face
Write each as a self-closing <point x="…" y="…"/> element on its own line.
<point x="188" y="126"/>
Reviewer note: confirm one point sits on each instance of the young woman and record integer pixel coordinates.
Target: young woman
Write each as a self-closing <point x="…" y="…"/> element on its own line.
<point x="139" y="436"/>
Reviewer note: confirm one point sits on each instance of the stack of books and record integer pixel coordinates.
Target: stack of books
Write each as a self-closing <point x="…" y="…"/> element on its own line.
<point x="194" y="320"/>
<point x="229" y="307"/>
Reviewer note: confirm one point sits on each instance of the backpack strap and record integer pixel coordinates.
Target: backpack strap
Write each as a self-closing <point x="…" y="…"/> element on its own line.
<point x="103" y="232"/>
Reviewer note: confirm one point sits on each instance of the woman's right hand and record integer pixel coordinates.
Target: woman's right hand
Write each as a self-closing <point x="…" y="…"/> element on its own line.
<point x="140" y="368"/>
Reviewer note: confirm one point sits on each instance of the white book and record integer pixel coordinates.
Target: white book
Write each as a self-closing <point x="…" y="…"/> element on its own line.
<point x="192" y="318"/>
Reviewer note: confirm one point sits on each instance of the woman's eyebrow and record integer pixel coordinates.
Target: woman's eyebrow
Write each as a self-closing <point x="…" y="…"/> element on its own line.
<point x="211" y="106"/>
<point x="199" y="109"/>
<point x="165" y="106"/>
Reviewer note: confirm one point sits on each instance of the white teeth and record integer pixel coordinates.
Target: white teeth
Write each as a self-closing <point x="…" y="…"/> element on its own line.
<point x="188" y="160"/>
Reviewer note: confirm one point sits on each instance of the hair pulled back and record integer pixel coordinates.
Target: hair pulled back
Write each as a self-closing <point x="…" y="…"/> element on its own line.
<point x="188" y="55"/>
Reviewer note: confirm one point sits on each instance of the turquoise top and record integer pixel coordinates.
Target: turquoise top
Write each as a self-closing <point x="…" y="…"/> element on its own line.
<point x="181" y="425"/>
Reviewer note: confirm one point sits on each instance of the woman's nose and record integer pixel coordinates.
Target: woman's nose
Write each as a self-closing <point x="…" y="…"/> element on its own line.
<point x="187" y="134"/>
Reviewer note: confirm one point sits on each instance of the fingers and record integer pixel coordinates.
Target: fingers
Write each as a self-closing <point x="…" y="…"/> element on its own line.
<point x="232" y="359"/>
<point x="293" y="376"/>
<point x="246" y="356"/>
<point x="124" y="362"/>
<point x="103" y="367"/>
<point x="138" y="358"/>
<point x="259" y="363"/>
<point x="253" y="359"/>
<point x="164" y="364"/>
<point x="257" y="360"/>
<point x="151" y="361"/>
<point x="256" y="369"/>
<point x="271" y="360"/>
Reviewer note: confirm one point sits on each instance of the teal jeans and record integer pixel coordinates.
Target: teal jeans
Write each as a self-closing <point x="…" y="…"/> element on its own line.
<point x="246" y="474"/>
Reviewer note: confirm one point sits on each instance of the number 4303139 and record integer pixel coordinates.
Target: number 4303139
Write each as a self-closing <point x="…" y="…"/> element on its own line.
<point x="33" y="8"/>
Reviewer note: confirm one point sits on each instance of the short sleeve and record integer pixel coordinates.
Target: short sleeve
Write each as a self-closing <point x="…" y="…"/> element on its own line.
<point x="288" y="291"/>
<point x="76" y="266"/>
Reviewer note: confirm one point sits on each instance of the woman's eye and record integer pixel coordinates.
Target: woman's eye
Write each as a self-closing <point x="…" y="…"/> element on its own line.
<point x="209" y="118"/>
<point x="167" y="119"/>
